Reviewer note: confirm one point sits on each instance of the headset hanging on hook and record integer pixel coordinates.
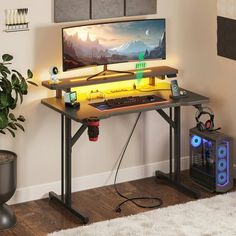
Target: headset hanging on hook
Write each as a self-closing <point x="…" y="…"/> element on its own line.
<point x="209" y="123"/>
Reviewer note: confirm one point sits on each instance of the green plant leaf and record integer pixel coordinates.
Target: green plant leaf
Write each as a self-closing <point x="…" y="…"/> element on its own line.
<point x="6" y="85"/>
<point x="4" y="68"/>
<point x="4" y="102"/>
<point x="20" y="77"/>
<point x="24" y="87"/>
<point x="16" y="97"/>
<point x="3" y="120"/>
<point x="13" y="101"/>
<point x="4" y="74"/>
<point x="1" y="85"/>
<point x="12" y="125"/>
<point x="21" y="96"/>
<point x="31" y="82"/>
<point x="5" y="111"/>
<point x="17" y="87"/>
<point x="20" y="126"/>
<point x="2" y="132"/>
<point x="21" y="118"/>
<point x="18" y="73"/>
<point x="14" y="80"/>
<point x="30" y="74"/>
<point x="11" y="132"/>
<point x="12" y="117"/>
<point x="7" y="57"/>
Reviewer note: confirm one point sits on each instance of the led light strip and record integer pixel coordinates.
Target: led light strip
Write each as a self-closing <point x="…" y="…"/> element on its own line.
<point x="227" y="170"/>
<point x="111" y="75"/>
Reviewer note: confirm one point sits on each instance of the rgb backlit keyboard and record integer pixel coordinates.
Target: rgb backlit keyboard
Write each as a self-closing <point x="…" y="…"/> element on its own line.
<point x="131" y="101"/>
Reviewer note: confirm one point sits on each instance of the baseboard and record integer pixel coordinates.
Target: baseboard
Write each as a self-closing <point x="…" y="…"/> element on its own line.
<point x="93" y="181"/>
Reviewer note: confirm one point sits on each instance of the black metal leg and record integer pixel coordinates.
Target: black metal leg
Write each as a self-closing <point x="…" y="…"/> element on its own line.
<point x="58" y="199"/>
<point x="66" y="141"/>
<point x="62" y="156"/>
<point x="177" y="155"/>
<point x="170" y="145"/>
<point x="68" y="162"/>
<point x="175" y="182"/>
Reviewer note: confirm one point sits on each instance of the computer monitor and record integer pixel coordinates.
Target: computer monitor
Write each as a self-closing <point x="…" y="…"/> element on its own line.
<point x="108" y="43"/>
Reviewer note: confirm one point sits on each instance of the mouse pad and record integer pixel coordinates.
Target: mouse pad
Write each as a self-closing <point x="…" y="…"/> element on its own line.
<point x="102" y="106"/>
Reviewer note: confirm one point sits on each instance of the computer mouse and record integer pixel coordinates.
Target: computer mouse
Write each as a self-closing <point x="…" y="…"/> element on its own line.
<point x="151" y="98"/>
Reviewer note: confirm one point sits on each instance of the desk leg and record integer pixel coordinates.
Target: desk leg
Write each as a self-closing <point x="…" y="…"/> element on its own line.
<point x="176" y="182"/>
<point x="170" y="146"/>
<point x="68" y="151"/>
<point x="177" y="144"/>
<point x="62" y="155"/>
<point x="65" y="199"/>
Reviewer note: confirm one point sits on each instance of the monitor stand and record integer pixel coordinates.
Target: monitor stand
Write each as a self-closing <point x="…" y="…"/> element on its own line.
<point x="107" y="72"/>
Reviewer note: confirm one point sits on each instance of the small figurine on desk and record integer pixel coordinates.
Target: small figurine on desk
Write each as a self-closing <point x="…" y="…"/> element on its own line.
<point x="54" y="75"/>
<point x="70" y="100"/>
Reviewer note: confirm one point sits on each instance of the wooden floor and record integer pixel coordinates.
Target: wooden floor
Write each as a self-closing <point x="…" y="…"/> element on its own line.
<point x="44" y="216"/>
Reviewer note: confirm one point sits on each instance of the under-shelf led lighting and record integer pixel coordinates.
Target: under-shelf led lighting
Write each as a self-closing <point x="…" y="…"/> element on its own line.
<point x="109" y="76"/>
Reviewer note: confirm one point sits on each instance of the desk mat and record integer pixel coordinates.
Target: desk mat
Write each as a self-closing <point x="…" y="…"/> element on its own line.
<point x="103" y="106"/>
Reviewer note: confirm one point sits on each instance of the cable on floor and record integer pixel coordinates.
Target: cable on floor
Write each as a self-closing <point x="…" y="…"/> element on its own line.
<point x="132" y="199"/>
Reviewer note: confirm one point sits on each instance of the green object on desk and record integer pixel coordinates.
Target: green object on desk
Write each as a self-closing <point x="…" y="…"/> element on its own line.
<point x="140" y="66"/>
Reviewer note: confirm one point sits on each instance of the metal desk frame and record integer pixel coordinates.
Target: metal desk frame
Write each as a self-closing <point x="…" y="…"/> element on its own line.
<point x="68" y="141"/>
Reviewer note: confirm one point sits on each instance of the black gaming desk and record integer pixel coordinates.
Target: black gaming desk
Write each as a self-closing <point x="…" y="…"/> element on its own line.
<point x="173" y="118"/>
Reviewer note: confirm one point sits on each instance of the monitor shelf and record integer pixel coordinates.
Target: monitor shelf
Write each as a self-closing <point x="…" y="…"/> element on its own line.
<point x="67" y="83"/>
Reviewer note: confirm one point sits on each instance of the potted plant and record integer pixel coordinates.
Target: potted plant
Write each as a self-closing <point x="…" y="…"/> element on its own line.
<point x="13" y="86"/>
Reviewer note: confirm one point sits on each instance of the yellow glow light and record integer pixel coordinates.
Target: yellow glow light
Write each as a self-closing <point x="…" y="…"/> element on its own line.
<point x="118" y="89"/>
<point x="52" y="82"/>
<point x="110" y="76"/>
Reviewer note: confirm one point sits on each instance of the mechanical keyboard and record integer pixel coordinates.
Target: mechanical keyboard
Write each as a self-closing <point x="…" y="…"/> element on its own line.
<point x="131" y="101"/>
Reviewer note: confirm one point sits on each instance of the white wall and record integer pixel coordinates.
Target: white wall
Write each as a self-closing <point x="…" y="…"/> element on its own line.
<point x="191" y="47"/>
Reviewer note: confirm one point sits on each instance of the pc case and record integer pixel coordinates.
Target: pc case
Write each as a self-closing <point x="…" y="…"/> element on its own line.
<point x="211" y="160"/>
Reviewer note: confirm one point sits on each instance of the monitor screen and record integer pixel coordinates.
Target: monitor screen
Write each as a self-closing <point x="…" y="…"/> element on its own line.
<point x="108" y="43"/>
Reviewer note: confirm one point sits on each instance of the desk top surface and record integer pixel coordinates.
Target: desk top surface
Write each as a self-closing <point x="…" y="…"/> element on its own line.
<point x="87" y="110"/>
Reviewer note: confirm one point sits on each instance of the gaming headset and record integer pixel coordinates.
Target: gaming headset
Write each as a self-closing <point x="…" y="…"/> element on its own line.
<point x="209" y="124"/>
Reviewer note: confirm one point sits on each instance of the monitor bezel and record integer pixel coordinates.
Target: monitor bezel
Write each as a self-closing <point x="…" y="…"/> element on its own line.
<point x="110" y="22"/>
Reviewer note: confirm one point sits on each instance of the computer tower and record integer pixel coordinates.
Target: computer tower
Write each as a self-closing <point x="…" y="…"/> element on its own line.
<point x="211" y="160"/>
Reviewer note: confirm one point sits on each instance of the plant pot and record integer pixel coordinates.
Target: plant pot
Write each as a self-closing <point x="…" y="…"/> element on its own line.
<point x="7" y="188"/>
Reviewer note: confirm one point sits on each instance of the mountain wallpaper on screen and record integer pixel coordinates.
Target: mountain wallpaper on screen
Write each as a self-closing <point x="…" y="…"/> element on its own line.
<point x="113" y="43"/>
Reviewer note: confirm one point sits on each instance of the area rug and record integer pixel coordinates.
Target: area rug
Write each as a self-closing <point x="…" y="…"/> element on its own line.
<point x="208" y="217"/>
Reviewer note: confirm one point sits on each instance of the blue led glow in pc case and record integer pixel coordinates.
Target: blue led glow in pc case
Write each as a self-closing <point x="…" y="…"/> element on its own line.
<point x="211" y="160"/>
